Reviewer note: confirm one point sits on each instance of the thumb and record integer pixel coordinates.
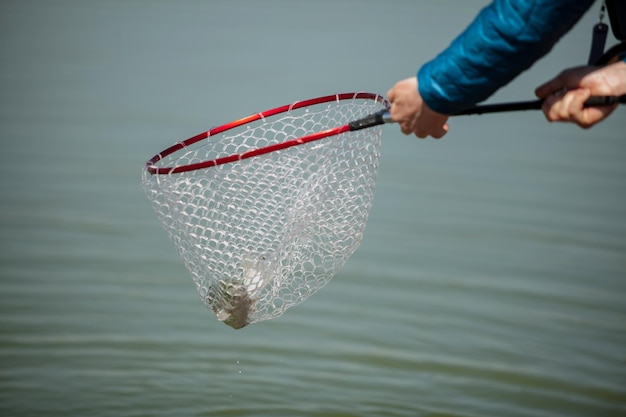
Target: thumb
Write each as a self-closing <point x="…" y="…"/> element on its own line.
<point x="586" y="117"/>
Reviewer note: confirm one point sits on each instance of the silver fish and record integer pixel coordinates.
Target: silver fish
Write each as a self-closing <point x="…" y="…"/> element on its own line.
<point x="235" y="306"/>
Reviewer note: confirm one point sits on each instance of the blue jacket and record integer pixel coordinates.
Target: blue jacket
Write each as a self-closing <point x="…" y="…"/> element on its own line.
<point x="506" y="38"/>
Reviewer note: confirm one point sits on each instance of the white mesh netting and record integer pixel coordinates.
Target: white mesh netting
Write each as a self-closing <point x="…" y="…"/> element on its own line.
<point x="263" y="234"/>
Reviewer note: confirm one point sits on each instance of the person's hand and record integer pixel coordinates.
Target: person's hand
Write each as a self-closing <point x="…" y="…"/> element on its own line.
<point x="412" y="114"/>
<point x="564" y="96"/>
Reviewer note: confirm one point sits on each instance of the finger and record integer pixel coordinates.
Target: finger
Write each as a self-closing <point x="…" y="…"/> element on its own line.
<point x="550" y="87"/>
<point x="391" y="95"/>
<point x="406" y="129"/>
<point x="420" y="131"/>
<point x="406" y="126"/>
<point x="586" y="117"/>
<point x="593" y="115"/>
<point x="395" y="112"/>
<point x="546" y="106"/>
<point x="555" y="106"/>
<point x="398" y="116"/>
<point x="576" y="109"/>
<point x="441" y="132"/>
<point x="564" y="108"/>
<point x="435" y="131"/>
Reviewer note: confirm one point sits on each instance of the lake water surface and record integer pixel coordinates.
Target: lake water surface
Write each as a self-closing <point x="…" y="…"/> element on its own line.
<point x="491" y="280"/>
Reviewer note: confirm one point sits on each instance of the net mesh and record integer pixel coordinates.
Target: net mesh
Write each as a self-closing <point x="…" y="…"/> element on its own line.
<point x="263" y="234"/>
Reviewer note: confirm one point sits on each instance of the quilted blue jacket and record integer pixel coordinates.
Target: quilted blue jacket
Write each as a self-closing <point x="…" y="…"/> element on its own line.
<point x="506" y="38"/>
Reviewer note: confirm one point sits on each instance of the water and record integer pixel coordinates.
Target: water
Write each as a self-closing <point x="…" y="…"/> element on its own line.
<point x="491" y="279"/>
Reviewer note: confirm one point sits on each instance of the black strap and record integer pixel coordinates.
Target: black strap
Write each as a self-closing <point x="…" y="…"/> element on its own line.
<point x="617" y="16"/>
<point x="598" y="40"/>
<point x="612" y="54"/>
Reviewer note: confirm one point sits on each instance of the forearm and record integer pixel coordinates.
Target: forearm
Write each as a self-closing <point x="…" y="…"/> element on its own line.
<point x="506" y="38"/>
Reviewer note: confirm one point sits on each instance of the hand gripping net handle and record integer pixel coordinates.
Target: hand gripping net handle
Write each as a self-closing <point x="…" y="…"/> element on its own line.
<point x="264" y="212"/>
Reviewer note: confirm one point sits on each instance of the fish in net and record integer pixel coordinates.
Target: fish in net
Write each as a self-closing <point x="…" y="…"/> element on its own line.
<point x="264" y="211"/>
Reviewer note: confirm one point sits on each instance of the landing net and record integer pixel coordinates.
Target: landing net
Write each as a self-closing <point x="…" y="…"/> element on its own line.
<point x="262" y="234"/>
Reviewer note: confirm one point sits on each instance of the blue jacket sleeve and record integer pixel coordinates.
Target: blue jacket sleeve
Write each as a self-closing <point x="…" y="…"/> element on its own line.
<point x="506" y="38"/>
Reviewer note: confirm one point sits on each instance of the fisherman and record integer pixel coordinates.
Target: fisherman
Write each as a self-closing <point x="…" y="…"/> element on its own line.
<point x="505" y="39"/>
